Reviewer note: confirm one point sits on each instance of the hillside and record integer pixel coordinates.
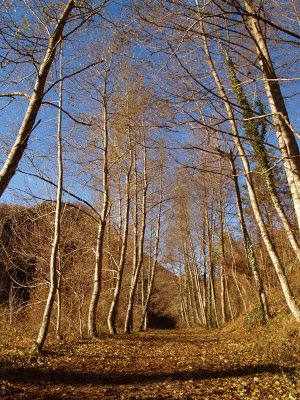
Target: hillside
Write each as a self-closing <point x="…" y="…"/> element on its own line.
<point x="25" y="255"/>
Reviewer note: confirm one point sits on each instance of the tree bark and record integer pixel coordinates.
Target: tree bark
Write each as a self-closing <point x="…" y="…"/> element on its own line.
<point x="42" y="335"/>
<point x="140" y="253"/>
<point x="286" y="289"/>
<point x="28" y="124"/>
<point x="92" y="314"/>
<point x="112" y="315"/>
<point x="251" y="257"/>
<point x="144" y="319"/>
<point x="285" y="136"/>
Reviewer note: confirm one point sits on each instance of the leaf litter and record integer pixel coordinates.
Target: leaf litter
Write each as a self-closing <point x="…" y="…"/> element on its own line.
<point x="154" y="365"/>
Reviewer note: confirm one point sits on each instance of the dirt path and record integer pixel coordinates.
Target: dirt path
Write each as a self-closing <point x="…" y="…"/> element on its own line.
<point x="155" y="365"/>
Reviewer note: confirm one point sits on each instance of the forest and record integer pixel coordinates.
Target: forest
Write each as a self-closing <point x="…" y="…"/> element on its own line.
<point x="150" y="199"/>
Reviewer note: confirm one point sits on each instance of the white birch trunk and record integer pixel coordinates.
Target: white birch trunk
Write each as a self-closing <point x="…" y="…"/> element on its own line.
<point x="285" y="136"/>
<point x="144" y="319"/>
<point x="92" y="314"/>
<point x="27" y="126"/>
<point x="42" y="335"/>
<point x="112" y="315"/>
<point x="251" y="257"/>
<point x="294" y="309"/>
<point x="140" y="255"/>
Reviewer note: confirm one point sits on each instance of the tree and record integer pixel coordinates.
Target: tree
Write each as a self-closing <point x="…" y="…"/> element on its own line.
<point x="112" y="316"/>
<point x="251" y="190"/>
<point x="39" y="342"/>
<point x="138" y="241"/>
<point x="256" y="134"/>
<point x="41" y="67"/>
<point x="92" y="315"/>
<point x="153" y="258"/>
<point x="284" y="131"/>
<point x="251" y="257"/>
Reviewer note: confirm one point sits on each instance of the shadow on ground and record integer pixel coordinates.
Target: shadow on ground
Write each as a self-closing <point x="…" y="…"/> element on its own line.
<point x="76" y="378"/>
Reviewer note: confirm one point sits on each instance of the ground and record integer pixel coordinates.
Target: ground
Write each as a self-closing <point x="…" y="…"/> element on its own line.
<point x="155" y="365"/>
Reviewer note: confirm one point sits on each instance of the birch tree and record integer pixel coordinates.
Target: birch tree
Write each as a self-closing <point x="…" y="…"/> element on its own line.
<point x="124" y="223"/>
<point x="153" y="258"/>
<point x="286" y="289"/>
<point x="92" y="314"/>
<point x="138" y="247"/>
<point x="45" y="25"/>
<point x="283" y="128"/>
<point x="40" y="340"/>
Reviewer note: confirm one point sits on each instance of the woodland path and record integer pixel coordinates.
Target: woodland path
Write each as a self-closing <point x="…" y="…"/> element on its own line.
<point x="154" y="365"/>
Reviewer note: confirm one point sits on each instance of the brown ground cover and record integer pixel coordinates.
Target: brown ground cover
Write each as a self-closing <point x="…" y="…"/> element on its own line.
<point x="155" y="365"/>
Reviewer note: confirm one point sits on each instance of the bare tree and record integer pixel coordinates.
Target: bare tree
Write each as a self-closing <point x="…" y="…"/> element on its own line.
<point x="35" y="100"/>
<point x="138" y="247"/>
<point x="112" y="316"/>
<point x="284" y="131"/>
<point x="251" y="190"/>
<point x="251" y="257"/>
<point x="92" y="315"/>
<point x="40" y="340"/>
<point x="153" y="259"/>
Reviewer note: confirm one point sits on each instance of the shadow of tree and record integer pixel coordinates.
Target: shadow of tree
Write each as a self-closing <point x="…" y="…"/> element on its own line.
<point x="78" y="378"/>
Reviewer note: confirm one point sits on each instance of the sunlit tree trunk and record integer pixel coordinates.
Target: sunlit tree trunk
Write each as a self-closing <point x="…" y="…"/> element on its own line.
<point x="285" y="135"/>
<point x="112" y="315"/>
<point x="222" y="251"/>
<point x="59" y="299"/>
<point x="153" y="261"/>
<point x="203" y="247"/>
<point x="251" y="257"/>
<point x="286" y="289"/>
<point x="92" y="314"/>
<point x="140" y="245"/>
<point x="42" y="335"/>
<point x="229" y="299"/>
<point x="11" y="164"/>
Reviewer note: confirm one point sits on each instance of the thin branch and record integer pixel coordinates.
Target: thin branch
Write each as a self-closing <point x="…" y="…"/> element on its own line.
<point x="67" y="113"/>
<point x="64" y="190"/>
<point x="13" y="94"/>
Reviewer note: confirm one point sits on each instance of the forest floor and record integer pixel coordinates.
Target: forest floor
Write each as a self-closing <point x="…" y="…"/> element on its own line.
<point x="157" y="365"/>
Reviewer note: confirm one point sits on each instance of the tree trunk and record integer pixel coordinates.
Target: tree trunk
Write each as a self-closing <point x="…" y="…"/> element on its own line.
<point x="286" y="139"/>
<point x="143" y="324"/>
<point x="251" y="257"/>
<point x="196" y="277"/>
<point x="222" y="252"/>
<point x="229" y="299"/>
<point x="92" y="315"/>
<point x="42" y="335"/>
<point x="112" y="315"/>
<point x="12" y="161"/>
<point x="140" y="253"/>
<point x="58" y="301"/>
<point x="294" y="309"/>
